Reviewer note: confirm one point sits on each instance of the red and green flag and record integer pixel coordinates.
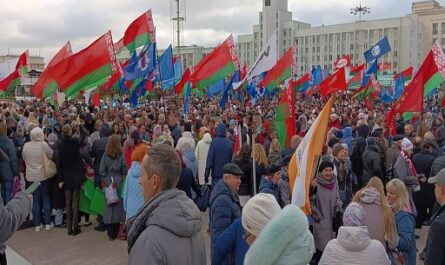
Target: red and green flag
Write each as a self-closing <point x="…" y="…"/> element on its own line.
<point x="88" y="68"/>
<point x="357" y="70"/>
<point x="356" y="81"/>
<point x="218" y="64"/>
<point x="303" y="82"/>
<point x="181" y="87"/>
<point x="45" y="86"/>
<point x="23" y="64"/>
<point x="140" y="32"/>
<point x="406" y="74"/>
<point x="8" y="84"/>
<point x="281" y="71"/>
<point x="285" y="115"/>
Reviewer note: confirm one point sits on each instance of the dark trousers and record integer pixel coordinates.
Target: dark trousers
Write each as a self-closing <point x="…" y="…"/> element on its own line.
<point x="3" y="260"/>
<point x="113" y="230"/>
<point x="72" y="209"/>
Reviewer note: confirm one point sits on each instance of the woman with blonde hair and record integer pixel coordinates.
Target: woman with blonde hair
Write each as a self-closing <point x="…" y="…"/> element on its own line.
<point x="379" y="216"/>
<point x="401" y="205"/>
<point x="274" y="151"/>
<point x="261" y="162"/>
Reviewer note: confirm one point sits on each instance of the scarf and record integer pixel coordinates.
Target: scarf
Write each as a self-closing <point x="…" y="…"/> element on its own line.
<point x="409" y="163"/>
<point x="328" y="184"/>
<point x="341" y="170"/>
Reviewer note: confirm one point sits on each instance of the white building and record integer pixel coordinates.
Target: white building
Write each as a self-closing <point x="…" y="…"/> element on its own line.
<point x="410" y="37"/>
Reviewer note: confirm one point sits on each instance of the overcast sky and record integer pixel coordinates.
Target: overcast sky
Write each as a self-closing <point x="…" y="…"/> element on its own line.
<point x="44" y="26"/>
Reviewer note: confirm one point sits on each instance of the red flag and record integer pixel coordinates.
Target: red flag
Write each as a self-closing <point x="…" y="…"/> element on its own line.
<point x="407" y="73"/>
<point x="285" y="115"/>
<point x="341" y="62"/>
<point x="390" y="121"/>
<point x="333" y="83"/>
<point x="96" y="99"/>
<point x="238" y="140"/>
<point x="357" y="69"/>
<point x="23" y="63"/>
<point x="184" y="80"/>
<point x="149" y="85"/>
<point x="119" y="45"/>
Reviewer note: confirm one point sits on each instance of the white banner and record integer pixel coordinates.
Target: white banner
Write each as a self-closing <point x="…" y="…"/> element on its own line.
<point x="265" y="61"/>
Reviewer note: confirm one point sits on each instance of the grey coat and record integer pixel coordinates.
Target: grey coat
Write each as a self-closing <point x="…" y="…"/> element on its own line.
<point x="167" y="230"/>
<point x="116" y="169"/>
<point x="12" y="215"/>
<point x="402" y="172"/>
<point x="324" y="203"/>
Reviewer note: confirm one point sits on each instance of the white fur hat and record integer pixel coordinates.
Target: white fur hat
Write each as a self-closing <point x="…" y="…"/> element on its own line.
<point x="406" y="144"/>
<point x="258" y="211"/>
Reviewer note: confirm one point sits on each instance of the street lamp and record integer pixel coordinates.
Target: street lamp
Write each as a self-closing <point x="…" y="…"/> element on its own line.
<point x="360" y="10"/>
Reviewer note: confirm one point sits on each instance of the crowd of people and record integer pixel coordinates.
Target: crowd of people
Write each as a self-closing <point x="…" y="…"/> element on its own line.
<point x="369" y="194"/>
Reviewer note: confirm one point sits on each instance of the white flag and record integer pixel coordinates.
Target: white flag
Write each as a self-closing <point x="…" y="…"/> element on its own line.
<point x="265" y="61"/>
<point x="7" y="67"/>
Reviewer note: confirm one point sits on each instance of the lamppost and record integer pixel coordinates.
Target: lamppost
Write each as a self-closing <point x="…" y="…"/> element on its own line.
<point x="360" y="10"/>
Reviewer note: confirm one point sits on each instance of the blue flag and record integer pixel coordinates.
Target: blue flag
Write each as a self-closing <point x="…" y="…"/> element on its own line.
<point x="399" y="87"/>
<point x="385" y="97"/>
<point x="225" y="97"/>
<point x="145" y="63"/>
<point x="187" y="99"/>
<point x="177" y="67"/>
<point x="215" y="88"/>
<point x="382" y="47"/>
<point x="317" y="75"/>
<point x="372" y="70"/>
<point x="166" y="64"/>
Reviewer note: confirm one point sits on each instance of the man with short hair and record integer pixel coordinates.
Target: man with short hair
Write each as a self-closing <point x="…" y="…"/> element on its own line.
<point x="167" y="230"/>
<point x="225" y="205"/>
<point x="269" y="182"/>
<point x="175" y="130"/>
<point x="435" y="246"/>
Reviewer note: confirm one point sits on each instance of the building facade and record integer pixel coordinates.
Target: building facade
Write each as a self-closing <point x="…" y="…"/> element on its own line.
<point x="410" y="37"/>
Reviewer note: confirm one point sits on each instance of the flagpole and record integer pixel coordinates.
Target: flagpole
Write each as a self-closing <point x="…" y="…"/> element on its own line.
<point x="253" y="165"/>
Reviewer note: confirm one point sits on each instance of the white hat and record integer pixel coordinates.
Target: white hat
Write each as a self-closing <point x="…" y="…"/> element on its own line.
<point x="406" y="144"/>
<point x="258" y="211"/>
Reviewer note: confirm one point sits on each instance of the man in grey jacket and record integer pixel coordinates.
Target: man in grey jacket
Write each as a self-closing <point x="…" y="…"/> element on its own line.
<point x="11" y="217"/>
<point x="167" y="230"/>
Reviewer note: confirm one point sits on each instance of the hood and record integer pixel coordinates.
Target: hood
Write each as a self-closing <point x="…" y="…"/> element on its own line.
<point x="207" y="138"/>
<point x="266" y="183"/>
<point x="187" y="134"/>
<point x="292" y="241"/>
<point x="105" y="130"/>
<point x="135" y="170"/>
<point x="370" y="196"/>
<point x="363" y="130"/>
<point x="189" y="154"/>
<point x="170" y="210"/>
<point x="354" y="238"/>
<point x="221" y="130"/>
<point x="4" y="140"/>
<point x="37" y="134"/>
<point x="347" y="132"/>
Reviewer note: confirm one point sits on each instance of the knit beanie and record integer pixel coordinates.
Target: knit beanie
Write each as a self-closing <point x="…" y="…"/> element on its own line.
<point x="354" y="215"/>
<point x="324" y="164"/>
<point x="406" y="144"/>
<point x="258" y="211"/>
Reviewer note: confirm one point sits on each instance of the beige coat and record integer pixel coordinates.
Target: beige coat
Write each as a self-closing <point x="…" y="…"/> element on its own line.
<point x="32" y="154"/>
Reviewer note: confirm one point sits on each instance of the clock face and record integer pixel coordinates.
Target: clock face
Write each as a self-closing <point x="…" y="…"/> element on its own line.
<point x="267" y="2"/>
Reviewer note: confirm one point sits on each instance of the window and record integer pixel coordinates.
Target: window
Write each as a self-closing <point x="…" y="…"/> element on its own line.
<point x="442" y="27"/>
<point x="318" y="49"/>
<point x="284" y="33"/>
<point x="284" y="42"/>
<point x="351" y="46"/>
<point x="267" y="2"/>
<point x="442" y="41"/>
<point x="395" y="53"/>
<point x="435" y="28"/>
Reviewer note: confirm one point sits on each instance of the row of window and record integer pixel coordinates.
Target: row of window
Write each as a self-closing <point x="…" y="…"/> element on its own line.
<point x="436" y="28"/>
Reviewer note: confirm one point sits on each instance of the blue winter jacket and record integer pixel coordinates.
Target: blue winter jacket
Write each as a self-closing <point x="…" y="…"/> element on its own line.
<point x="220" y="153"/>
<point x="407" y="236"/>
<point x="224" y="209"/>
<point x="230" y="242"/>
<point x="8" y="169"/>
<point x="347" y="138"/>
<point x="133" y="198"/>
<point x="188" y="155"/>
<point x="266" y="186"/>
